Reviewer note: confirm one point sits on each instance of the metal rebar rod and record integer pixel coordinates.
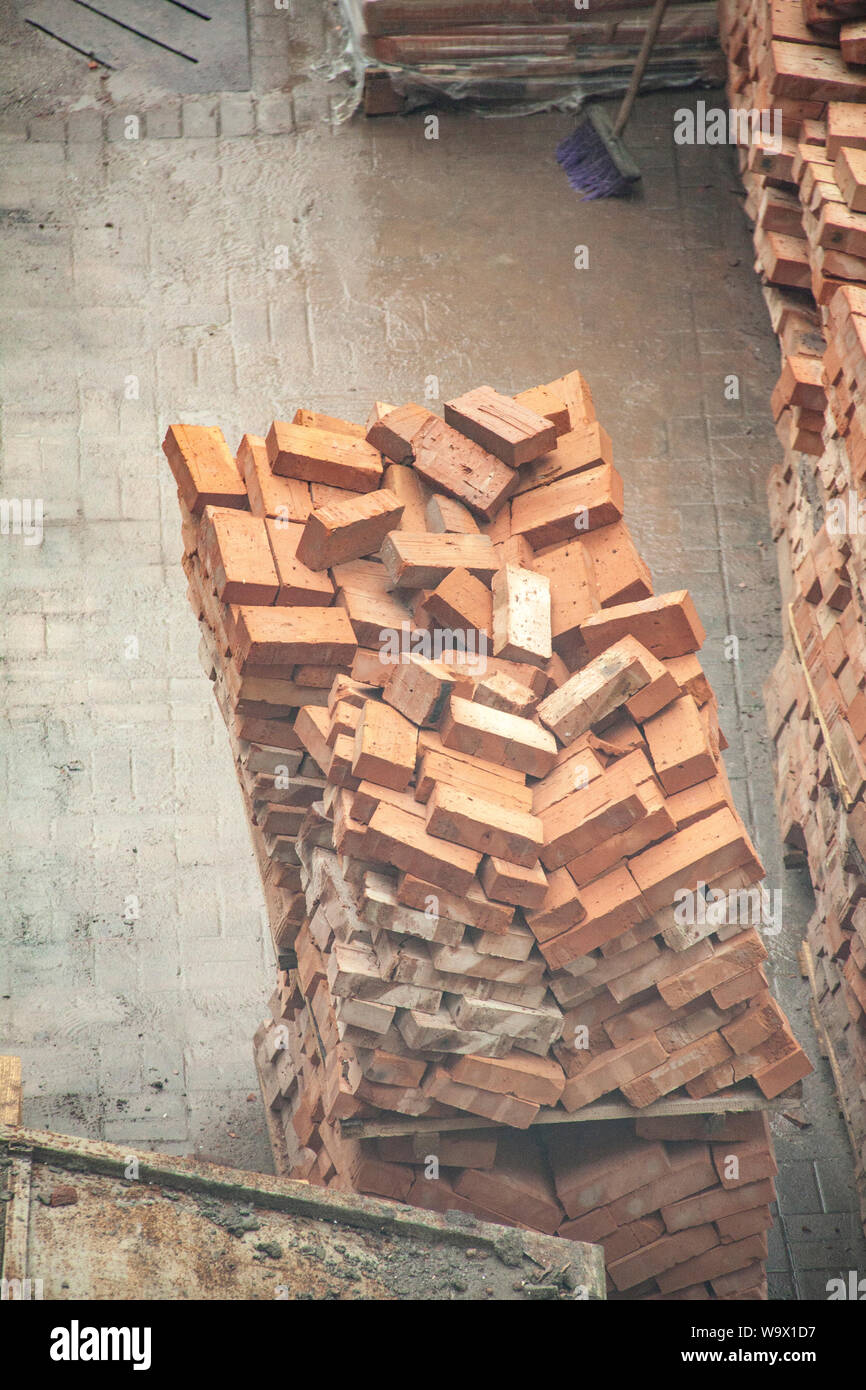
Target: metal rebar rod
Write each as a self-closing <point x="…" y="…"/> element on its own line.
<point x="139" y="33"/>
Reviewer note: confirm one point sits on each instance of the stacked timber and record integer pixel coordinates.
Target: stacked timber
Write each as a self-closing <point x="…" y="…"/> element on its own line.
<point x="483" y="767"/>
<point x="502" y="52"/>
<point x="806" y="193"/>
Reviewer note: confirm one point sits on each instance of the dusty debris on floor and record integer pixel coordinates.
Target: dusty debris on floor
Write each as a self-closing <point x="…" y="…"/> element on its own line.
<point x="145" y="1226"/>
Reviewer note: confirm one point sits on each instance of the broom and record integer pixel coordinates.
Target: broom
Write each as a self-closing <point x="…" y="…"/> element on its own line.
<point x="594" y="157"/>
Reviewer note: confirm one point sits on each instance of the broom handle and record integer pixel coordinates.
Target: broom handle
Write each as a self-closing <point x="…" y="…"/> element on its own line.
<point x="643" y="58"/>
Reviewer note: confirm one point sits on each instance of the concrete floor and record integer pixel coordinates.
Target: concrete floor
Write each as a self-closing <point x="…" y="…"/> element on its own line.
<point x="142" y="285"/>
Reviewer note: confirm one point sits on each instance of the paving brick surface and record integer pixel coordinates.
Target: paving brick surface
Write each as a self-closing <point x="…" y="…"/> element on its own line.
<point x="240" y="257"/>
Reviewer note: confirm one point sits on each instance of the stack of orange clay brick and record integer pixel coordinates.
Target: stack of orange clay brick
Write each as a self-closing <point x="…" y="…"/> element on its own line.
<point x="806" y="193"/>
<point x="505" y="876"/>
<point x="506" y="51"/>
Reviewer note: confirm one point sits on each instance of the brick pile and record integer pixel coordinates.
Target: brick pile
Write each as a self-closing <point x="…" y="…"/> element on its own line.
<point x="483" y="771"/>
<point x="506" y="51"/>
<point x="681" y="1206"/>
<point x="807" y="199"/>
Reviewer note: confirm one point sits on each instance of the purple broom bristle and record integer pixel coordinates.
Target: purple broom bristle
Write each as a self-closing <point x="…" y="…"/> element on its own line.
<point x="587" y="164"/>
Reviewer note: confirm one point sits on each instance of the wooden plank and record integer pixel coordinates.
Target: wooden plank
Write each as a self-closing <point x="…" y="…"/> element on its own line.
<point x="815" y="706"/>
<point x="298" y="1198"/>
<point x="826" y="1042"/>
<point x="737" y="1102"/>
<point x="10" y="1090"/>
<point x="17" y="1218"/>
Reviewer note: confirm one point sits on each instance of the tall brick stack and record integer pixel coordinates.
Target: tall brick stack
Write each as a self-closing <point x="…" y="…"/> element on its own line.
<point x="504" y="872"/>
<point x="807" y="197"/>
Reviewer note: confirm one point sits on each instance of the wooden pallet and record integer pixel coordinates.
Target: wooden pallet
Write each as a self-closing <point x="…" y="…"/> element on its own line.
<point x="748" y="1099"/>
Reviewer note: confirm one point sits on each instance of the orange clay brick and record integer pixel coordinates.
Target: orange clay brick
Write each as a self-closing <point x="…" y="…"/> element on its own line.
<point x="742" y="952"/>
<point x="323" y="456"/>
<point x="502" y="738"/>
<point x="348" y="530"/>
<point x="283" y="499"/>
<point x="203" y="468"/>
<point x="702" y="851"/>
<point x="612" y="905"/>
<point x="237" y="556"/>
<point x="589" y="816"/>
<point x="299" y="586"/>
<point x="678" y="1067"/>
<point x="385" y="746"/>
<point x="501" y="425"/>
<point x="678" y="746"/>
<point x="667" y="625"/>
<point x="601" y="687"/>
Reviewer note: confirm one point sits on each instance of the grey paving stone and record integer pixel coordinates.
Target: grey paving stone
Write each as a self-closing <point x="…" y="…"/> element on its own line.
<point x="126" y="127"/>
<point x="163" y="122"/>
<point x="312" y="107"/>
<point x="236" y="114"/>
<point x="200" y="118"/>
<point x="65" y="1114"/>
<point x="826" y="1254"/>
<point x="778" y="1257"/>
<point x="275" y="114"/>
<point x="814" y="1283"/>
<point x="798" y="1189"/>
<point x="145" y="1130"/>
<point x="84" y="127"/>
<point x="780" y="1286"/>
<point x="52" y="128"/>
<point x="834" y="1182"/>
